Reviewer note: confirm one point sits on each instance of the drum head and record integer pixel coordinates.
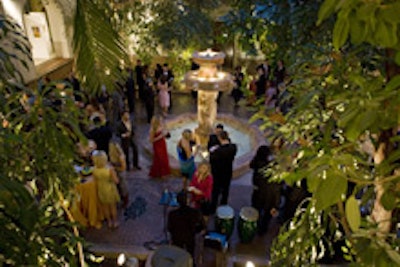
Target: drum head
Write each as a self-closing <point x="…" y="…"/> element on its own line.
<point x="249" y="214"/>
<point x="225" y="212"/>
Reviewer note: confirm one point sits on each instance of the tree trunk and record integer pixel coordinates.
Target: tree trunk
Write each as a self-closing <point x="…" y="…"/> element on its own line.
<point x="379" y="214"/>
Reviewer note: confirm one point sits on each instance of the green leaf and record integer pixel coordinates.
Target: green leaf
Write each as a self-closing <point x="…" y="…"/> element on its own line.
<point x="314" y="176"/>
<point x="353" y="130"/>
<point x="367" y="11"/>
<point x="327" y="8"/>
<point x="386" y="33"/>
<point x="353" y="214"/>
<point x="330" y="190"/>
<point x="394" y="255"/>
<point x="312" y="183"/>
<point x="97" y="47"/>
<point x="390" y="12"/>
<point x="397" y="58"/>
<point x="358" y="30"/>
<point x="349" y="114"/>
<point x="388" y="200"/>
<point x="394" y="82"/>
<point x="341" y="30"/>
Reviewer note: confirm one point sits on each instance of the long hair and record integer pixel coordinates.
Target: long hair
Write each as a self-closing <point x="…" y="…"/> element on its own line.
<point x="155" y="123"/>
<point x="261" y="158"/>
<point x="203" y="175"/>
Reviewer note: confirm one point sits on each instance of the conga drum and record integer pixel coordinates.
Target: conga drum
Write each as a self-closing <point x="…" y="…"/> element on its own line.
<point x="225" y="220"/>
<point x="247" y="224"/>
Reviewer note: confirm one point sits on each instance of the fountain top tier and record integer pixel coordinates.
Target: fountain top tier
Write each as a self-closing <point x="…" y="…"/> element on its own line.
<point x="208" y="57"/>
<point x="208" y="77"/>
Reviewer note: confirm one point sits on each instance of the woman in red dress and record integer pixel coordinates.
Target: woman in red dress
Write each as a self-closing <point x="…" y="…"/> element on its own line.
<point x="158" y="133"/>
<point x="201" y="188"/>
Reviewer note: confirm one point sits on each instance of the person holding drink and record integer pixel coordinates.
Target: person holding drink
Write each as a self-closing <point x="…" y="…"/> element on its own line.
<point x="201" y="188"/>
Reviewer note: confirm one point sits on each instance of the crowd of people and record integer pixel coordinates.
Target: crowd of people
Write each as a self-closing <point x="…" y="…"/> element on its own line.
<point x="112" y="149"/>
<point x="266" y="87"/>
<point x="210" y="182"/>
<point x="109" y="125"/>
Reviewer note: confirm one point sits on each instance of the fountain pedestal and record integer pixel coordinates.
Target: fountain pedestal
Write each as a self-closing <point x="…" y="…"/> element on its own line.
<point x="208" y="81"/>
<point x="206" y="115"/>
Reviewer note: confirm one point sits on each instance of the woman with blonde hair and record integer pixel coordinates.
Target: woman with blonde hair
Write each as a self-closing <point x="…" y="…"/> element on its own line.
<point x="201" y="188"/>
<point x="158" y="134"/>
<point x="107" y="192"/>
<point x="186" y="154"/>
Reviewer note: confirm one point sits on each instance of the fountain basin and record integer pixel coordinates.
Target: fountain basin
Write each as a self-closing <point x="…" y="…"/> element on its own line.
<point x="247" y="137"/>
<point x="220" y="81"/>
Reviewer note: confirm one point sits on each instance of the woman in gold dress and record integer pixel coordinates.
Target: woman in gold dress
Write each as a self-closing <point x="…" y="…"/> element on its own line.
<point x="106" y="180"/>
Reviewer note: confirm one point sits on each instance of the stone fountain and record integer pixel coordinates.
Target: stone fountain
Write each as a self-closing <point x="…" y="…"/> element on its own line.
<point x="208" y="81"/>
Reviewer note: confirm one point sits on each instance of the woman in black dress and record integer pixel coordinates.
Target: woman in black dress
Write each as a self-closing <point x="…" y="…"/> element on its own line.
<point x="266" y="195"/>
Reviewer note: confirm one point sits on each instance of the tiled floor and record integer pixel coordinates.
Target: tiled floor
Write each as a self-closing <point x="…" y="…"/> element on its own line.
<point x="138" y="229"/>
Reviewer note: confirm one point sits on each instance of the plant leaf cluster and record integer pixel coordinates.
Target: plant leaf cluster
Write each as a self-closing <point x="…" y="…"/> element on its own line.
<point x="98" y="48"/>
<point x="38" y="133"/>
<point x="344" y="103"/>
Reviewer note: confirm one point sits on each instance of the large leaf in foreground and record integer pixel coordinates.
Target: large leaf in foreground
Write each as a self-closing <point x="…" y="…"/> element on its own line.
<point x="330" y="190"/>
<point x="98" y="48"/>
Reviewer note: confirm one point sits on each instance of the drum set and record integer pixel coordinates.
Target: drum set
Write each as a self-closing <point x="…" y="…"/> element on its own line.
<point x="247" y="226"/>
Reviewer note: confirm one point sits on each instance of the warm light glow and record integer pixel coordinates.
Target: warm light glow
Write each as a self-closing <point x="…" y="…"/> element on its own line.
<point x="250" y="264"/>
<point x="204" y="154"/>
<point x="121" y="259"/>
<point x="208" y="53"/>
<point x="130" y="16"/>
<point x="208" y="80"/>
<point x="14" y="10"/>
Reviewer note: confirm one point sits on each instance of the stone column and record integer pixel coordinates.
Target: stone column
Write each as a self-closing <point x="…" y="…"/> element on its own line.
<point x="206" y="115"/>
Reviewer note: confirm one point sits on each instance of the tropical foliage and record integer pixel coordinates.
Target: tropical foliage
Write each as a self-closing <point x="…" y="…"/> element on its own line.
<point x="38" y="132"/>
<point x="165" y="24"/>
<point x="340" y="134"/>
<point x="339" y="138"/>
<point x="145" y="28"/>
<point x="98" y="48"/>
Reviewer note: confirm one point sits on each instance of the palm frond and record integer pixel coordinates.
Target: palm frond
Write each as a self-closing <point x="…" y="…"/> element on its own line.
<point x="98" y="47"/>
<point x="15" y="52"/>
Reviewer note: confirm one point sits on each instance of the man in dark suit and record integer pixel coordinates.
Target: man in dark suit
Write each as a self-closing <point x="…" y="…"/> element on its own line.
<point x="184" y="223"/>
<point x="267" y="69"/>
<point x="126" y="133"/>
<point x="130" y="90"/>
<point x="148" y="98"/>
<point x="221" y="160"/>
<point x="213" y="141"/>
<point x="139" y="78"/>
<point x="101" y="134"/>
